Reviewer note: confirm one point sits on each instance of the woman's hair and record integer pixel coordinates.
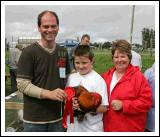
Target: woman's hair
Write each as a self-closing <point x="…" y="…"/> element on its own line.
<point x="84" y="50"/>
<point x="123" y="46"/>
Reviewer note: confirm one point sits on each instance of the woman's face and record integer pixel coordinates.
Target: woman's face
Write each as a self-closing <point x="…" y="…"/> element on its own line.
<point x="121" y="61"/>
<point x="83" y="64"/>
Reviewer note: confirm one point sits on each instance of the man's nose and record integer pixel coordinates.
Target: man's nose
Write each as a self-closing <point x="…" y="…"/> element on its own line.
<point x="50" y="29"/>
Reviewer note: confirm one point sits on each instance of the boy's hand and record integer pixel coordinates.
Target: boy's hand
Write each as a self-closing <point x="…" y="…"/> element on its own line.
<point x="75" y="103"/>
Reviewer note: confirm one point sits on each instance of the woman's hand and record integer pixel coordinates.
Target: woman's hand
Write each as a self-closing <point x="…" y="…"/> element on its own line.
<point x="116" y="105"/>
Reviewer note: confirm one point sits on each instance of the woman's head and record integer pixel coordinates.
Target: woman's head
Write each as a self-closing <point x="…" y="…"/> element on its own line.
<point x="83" y="59"/>
<point x="123" y="46"/>
<point x="121" y="54"/>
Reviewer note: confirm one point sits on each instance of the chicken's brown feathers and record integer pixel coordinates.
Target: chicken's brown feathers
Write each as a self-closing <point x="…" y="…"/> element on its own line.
<point x="79" y="90"/>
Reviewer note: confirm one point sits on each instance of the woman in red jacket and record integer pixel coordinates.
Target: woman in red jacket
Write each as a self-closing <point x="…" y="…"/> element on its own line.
<point x="129" y="93"/>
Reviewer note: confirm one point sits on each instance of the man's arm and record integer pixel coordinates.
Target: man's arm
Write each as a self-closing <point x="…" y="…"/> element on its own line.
<point x="25" y="86"/>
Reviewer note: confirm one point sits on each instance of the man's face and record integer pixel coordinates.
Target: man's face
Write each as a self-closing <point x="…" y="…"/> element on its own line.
<point x="48" y="27"/>
<point x="85" y="41"/>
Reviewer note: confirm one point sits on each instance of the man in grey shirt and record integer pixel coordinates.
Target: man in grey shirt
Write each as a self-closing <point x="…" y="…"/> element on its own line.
<point x="14" y="54"/>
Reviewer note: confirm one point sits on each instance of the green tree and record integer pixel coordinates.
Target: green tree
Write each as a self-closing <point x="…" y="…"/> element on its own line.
<point x="148" y="38"/>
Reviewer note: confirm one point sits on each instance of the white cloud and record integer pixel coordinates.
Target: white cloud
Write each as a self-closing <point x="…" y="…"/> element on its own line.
<point x="107" y="22"/>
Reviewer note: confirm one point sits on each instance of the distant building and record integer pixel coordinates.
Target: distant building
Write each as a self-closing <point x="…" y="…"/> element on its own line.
<point x="13" y="44"/>
<point x="26" y="41"/>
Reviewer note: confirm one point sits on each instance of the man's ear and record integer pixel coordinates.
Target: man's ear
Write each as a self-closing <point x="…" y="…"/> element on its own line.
<point x="38" y="28"/>
<point x="58" y="28"/>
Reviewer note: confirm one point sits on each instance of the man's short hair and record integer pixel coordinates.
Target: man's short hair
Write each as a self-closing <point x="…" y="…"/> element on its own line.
<point x="44" y="12"/>
<point x="85" y="35"/>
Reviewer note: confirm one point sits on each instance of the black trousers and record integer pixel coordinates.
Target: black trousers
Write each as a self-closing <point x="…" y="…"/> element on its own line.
<point x="13" y="75"/>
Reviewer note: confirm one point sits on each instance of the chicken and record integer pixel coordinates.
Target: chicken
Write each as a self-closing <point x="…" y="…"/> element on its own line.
<point x="79" y="90"/>
<point x="88" y="102"/>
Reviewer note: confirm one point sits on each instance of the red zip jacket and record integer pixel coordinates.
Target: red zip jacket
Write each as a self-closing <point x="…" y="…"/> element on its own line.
<point x="135" y="93"/>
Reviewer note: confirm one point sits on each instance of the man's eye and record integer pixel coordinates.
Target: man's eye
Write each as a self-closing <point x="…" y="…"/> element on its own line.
<point x="53" y="27"/>
<point x="46" y="27"/>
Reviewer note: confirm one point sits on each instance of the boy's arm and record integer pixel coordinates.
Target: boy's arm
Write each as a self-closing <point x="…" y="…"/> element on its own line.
<point x="101" y="109"/>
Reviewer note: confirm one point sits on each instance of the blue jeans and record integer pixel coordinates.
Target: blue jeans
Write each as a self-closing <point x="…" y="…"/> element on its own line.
<point x="49" y="127"/>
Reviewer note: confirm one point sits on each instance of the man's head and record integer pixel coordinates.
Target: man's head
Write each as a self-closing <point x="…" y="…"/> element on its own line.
<point x="48" y="25"/>
<point x="44" y="12"/>
<point x="85" y="40"/>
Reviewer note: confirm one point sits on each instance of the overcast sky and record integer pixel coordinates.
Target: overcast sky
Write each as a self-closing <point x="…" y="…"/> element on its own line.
<point x="102" y="23"/>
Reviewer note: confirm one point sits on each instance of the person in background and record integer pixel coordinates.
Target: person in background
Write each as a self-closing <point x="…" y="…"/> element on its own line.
<point x="14" y="54"/>
<point x="85" y="40"/>
<point x="42" y="72"/>
<point x="93" y="82"/>
<point x="136" y="59"/>
<point x="150" y="75"/>
<point x="130" y="96"/>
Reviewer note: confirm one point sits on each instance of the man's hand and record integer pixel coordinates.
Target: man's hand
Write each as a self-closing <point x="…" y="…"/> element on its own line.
<point x="57" y="94"/>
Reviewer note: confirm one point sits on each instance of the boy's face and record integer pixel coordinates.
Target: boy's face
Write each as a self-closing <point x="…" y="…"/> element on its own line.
<point x="83" y="64"/>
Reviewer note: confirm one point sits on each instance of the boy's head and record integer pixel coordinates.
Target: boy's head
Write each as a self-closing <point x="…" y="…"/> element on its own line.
<point x="83" y="59"/>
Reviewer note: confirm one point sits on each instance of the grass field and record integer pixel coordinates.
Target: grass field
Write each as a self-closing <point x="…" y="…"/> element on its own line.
<point x="103" y="62"/>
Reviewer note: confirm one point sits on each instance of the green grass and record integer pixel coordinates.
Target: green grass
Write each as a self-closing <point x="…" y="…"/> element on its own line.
<point x="147" y="61"/>
<point x="6" y="61"/>
<point x="8" y="81"/>
<point x="102" y="61"/>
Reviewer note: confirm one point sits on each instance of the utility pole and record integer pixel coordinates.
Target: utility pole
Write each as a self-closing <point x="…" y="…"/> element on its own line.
<point x="12" y="42"/>
<point x="132" y="22"/>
